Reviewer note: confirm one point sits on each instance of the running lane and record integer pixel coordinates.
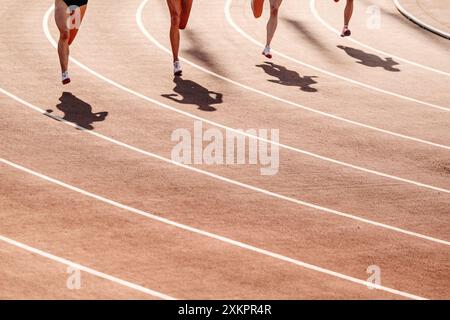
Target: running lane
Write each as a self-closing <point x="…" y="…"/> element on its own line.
<point x="152" y="255"/>
<point x="26" y="275"/>
<point x="393" y="34"/>
<point x="132" y="247"/>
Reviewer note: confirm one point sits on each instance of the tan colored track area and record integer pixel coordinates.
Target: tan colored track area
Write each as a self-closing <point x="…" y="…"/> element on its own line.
<point x="89" y="191"/>
<point x="433" y="13"/>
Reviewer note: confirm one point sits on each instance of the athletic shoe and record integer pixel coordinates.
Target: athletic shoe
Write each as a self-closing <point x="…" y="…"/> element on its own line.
<point x="177" y="71"/>
<point x="267" y="53"/>
<point x="65" y="77"/>
<point x="346" y="32"/>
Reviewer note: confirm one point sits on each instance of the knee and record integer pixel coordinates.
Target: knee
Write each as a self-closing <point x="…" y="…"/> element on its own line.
<point x="64" y="36"/>
<point x="175" y="20"/>
<point x="274" y="10"/>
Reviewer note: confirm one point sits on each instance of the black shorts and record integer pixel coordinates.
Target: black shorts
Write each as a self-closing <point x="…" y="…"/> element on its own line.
<point x="78" y="3"/>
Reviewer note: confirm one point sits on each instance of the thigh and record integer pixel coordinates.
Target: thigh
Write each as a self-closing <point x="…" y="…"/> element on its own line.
<point x="275" y="3"/>
<point x="61" y="15"/>
<point x="187" y="4"/>
<point x="76" y="19"/>
<point x="175" y="7"/>
<point x="82" y="12"/>
<point x="185" y="13"/>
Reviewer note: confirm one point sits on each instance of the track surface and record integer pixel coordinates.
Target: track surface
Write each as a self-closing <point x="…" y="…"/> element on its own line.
<point x="374" y="190"/>
<point x="432" y="13"/>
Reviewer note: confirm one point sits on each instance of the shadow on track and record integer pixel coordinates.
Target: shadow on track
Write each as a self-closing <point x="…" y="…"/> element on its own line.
<point x="370" y="60"/>
<point x="194" y="94"/>
<point x="307" y="34"/>
<point x="77" y="111"/>
<point x="288" y="77"/>
<point x="195" y="52"/>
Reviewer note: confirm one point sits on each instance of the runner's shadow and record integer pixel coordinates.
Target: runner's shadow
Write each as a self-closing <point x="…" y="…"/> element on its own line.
<point x="307" y="34"/>
<point x="193" y="93"/>
<point x="288" y="77"/>
<point x="195" y="51"/>
<point x="79" y="112"/>
<point x="370" y="60"/>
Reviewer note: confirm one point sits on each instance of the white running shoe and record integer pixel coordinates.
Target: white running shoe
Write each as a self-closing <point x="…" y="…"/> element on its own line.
<point x="177" y="71"/>
<point x="267" y="53"/>
<point x="65" y="77"/>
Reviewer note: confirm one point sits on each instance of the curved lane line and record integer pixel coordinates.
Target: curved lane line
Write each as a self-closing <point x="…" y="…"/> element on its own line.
<point x="329" y="27"/>
<point x="165" y="106"/>
<point x="77" y="266"/>
<point x="213" y="235"/>
<point x="329" y="73"/>
<point x="224" y="179"/>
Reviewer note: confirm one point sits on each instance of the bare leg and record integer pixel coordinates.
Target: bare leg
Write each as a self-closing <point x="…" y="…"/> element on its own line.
<point x="175" y="13"/>
<point x="76" y="17"/>
<point x="185" y="13"/>
<point x="348" y="12"/>
<point x="273" y="20"/>
<point x="61" y="16"/>
<point x="68" y="25"/>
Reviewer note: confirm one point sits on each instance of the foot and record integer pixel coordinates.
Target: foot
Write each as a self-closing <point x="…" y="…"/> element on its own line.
<point x="65" y="77"/>
<point x="346" y="32"/>
<point x="177" y="71"/>
<point x="267" y="53"/>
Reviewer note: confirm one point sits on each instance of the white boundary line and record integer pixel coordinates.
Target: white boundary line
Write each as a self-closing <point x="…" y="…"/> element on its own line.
<point x="227" y="180"/>
<point x="329" y="27"/>
<point x="212" y="235"/>
<point x="314" y="155"/>
<point x="155" y="42"/>
<point x="331" y="74"/>
<point x="234" y="182"/>
<point x="420" y="23"/>
<point x="81" y="267"/>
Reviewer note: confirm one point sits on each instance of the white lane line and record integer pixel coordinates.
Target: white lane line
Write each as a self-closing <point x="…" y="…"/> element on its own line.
<point x="81" y="267"/>
<point x="314" y="155"/>
<point x="213" y="235"/>
<point x="365" y="85"/>
<point x="230" y="181"/>
<point x="329" y="27"/>
<point x="159" y="45"/>
<point x="420" y="23"/>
